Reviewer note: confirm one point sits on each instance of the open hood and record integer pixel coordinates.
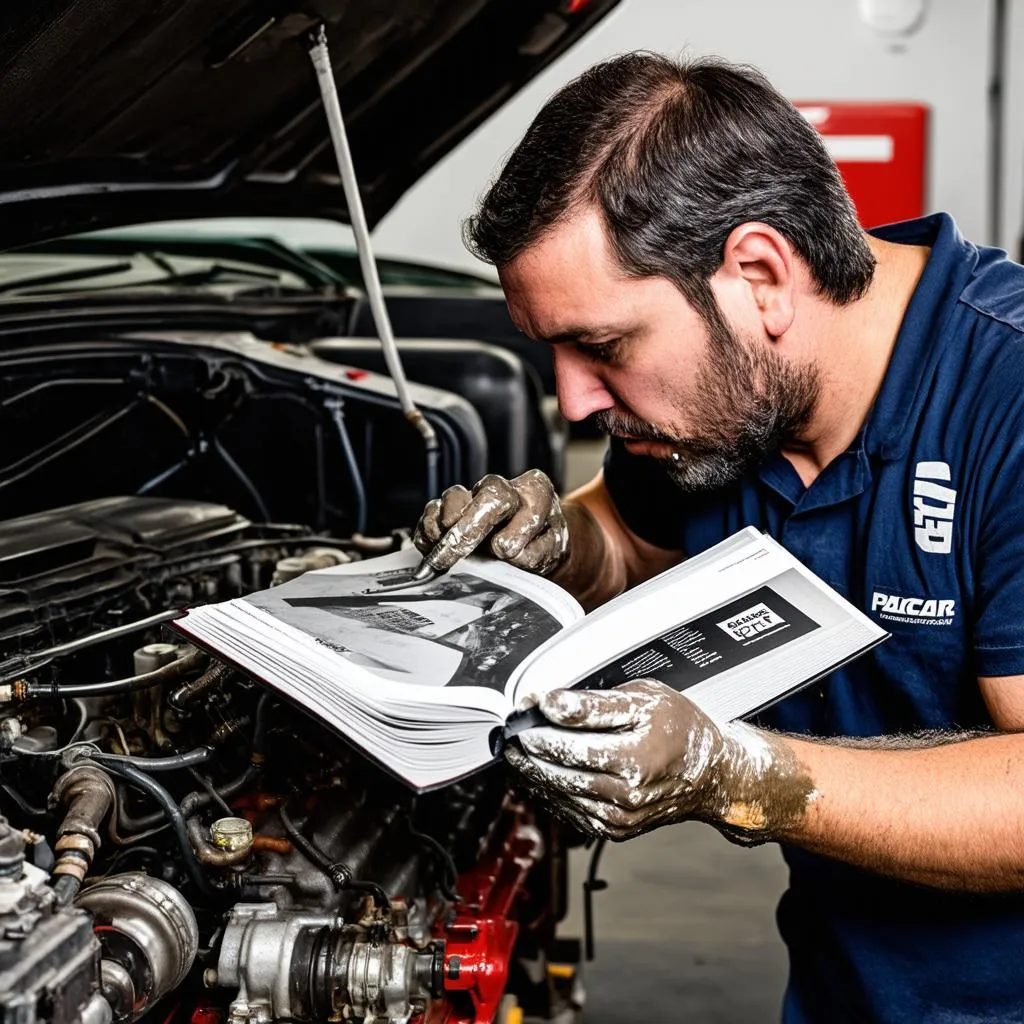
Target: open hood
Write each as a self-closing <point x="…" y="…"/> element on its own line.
<point x="115" y="111"/>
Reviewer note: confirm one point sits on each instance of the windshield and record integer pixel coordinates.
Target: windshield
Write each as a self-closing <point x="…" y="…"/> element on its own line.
<point x="235" y="254"/>
<point x="294" y="232"/>
<point x="24" y="275"/>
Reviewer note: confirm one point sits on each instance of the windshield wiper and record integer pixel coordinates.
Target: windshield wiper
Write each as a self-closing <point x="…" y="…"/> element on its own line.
<point x="216" y="273"/>
<point x="213" y="272"/>
<point x="66" y="276"/>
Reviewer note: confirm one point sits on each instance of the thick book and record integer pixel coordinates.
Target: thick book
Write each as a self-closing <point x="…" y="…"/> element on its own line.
<point x="427" y="678"/>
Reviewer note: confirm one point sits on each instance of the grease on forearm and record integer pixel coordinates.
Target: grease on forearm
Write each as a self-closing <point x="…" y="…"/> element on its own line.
<point x="762" y="789"/>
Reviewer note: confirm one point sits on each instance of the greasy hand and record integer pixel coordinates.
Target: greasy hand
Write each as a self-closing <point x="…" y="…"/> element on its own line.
<point x="522" y="518"/>
<point x="621" y="762"/>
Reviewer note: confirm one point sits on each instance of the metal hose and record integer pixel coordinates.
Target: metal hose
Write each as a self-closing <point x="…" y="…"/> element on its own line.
<point x="195" y="802"/>
<point x="188" y="692"/>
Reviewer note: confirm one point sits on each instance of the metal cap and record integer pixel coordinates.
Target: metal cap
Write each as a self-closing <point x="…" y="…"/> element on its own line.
<point x="231" y="834"/>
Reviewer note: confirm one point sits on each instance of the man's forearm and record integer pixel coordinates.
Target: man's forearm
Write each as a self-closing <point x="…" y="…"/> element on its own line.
<point x="950" y="815"/>
<point x="593" y="572"/>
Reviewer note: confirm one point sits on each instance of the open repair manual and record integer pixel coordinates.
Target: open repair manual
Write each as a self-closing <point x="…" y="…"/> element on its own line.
<point x="425" y="678"/>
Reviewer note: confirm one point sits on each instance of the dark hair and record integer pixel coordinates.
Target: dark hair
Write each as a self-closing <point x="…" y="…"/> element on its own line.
<point x="675" y="155"/>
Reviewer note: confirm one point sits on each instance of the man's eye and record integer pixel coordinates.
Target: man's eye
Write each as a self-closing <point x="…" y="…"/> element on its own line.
<point x="605" y="351"/>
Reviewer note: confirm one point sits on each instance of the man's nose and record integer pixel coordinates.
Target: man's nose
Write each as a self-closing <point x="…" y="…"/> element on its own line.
<point x="581" y="392"/>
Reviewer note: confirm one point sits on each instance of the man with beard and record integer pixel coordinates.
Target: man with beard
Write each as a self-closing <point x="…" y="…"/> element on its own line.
<point x="679" y="236"/>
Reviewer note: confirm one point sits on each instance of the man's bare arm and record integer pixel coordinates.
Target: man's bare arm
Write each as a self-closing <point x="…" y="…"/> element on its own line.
<point x="950" y="816"/>
<point x="942" y="810"/>
<point x="605" y="557"/>
<point x="948" y="811"/>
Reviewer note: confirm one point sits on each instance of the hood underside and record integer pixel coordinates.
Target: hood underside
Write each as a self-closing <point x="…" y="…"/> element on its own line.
<point x="115" y="111"/>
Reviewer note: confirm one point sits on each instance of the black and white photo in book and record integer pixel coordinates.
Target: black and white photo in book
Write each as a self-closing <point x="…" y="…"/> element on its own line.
<point x="457" y="630"/>
<point x="723" y="638"/>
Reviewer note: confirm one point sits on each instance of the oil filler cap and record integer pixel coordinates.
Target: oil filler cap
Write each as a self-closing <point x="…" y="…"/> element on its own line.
<point x="231" y="834"/>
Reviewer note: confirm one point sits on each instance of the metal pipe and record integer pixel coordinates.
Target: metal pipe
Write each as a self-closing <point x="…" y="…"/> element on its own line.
<point x="46" y="454"/>
<point x="242" y="478"/>
<point x="160" y="675"/>
<point x="334" y="406"/>
<point x="197" y="801"/>
<point x="321" y="58"/>
<point x="102" y="637"/>
<point x="88" y="794"/>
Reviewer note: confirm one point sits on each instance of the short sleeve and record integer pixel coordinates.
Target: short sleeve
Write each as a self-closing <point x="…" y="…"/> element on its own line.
<point x="650" y="504"/>
<point x="999" y="567"/>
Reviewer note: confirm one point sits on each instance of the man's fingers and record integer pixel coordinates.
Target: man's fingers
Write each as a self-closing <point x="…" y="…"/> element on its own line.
<point x="554" y="755"/>
<point x="543" y="553"/>
<point x="577" y="781"/>
<point x="563" y="808"/>
<point x="593" y="710"/>
<point x="568" y="812"/>
<point x="576" y="749"/>
<point x="453" y="503"/>
<point x="492" y="502"/>
<point x="522" y="517"/>
<point x="619" y="823"/>
<point x="428" y="530"/>
<point x="536" y="496"/>
<point x="603" y="820"/>
<point x="439" y="514"/>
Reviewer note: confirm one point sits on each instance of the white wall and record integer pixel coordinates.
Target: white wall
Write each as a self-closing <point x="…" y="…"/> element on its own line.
<point x="811" y="50"/>
<point x="1013" y="143"/>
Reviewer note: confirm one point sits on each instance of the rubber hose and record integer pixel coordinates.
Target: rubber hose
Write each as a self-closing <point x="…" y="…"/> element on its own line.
<point x="197" y="801"/>
<point x="173" y="813"/>
<point x="190" y="759"/>
<point x="66" y="889"/>
<point x="340" y="877"/>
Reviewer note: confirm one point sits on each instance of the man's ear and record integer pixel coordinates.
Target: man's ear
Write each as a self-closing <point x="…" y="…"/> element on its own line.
<point x="761" y="257"/>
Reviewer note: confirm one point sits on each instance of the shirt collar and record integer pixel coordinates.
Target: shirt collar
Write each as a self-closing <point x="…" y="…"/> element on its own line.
<point x="916" y="355"/>
<point x="914" y="361"/>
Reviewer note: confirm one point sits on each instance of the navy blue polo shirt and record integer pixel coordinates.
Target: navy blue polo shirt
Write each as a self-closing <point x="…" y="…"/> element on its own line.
<point x="920" y="524"/>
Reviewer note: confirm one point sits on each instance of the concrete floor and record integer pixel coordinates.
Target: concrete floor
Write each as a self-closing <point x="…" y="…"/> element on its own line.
<point x="686" y="930"/>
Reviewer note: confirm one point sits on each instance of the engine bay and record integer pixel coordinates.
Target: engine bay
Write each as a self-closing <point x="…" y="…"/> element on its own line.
<point x="179" y="843"/>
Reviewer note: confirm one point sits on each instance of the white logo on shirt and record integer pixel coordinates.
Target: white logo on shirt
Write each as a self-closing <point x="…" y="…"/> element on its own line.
<point x="934" y="506"/>
<point x="927" y="611"/>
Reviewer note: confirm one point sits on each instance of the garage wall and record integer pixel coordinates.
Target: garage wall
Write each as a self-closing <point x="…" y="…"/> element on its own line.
<point x="1013" y="144"/>
<point x="812" y="50"/>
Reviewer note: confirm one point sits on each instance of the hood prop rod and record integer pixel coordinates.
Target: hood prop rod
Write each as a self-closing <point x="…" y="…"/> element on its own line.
<point x="321" y="58"/>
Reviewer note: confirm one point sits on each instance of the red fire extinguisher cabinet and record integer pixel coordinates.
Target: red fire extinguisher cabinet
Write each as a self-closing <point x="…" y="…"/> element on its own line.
<point x="881" y="152"/>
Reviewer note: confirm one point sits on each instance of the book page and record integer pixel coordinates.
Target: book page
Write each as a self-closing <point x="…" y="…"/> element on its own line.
<point x="736" y="628"/>
<point x="471" y="628"/>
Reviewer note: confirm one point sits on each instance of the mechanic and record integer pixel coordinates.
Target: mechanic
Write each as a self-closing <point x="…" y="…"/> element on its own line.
<point x="679" y="235"/>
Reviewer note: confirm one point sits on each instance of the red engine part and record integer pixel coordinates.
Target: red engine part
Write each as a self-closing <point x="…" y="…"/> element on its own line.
<point x="481" y="933"/>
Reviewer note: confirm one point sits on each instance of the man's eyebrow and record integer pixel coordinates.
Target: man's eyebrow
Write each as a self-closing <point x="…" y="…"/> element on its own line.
<point x="571" y="334"/>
